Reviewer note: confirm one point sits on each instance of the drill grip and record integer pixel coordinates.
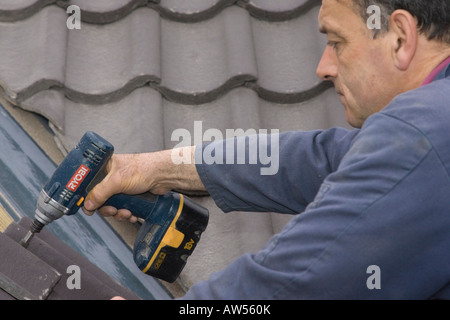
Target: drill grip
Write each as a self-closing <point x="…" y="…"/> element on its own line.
<point x="140" y="205"/>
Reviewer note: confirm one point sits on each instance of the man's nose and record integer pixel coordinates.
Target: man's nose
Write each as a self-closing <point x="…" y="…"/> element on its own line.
<point x="327" y="68"/>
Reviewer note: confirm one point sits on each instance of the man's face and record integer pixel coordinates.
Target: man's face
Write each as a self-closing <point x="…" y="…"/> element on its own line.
<point x="359" y="66"/>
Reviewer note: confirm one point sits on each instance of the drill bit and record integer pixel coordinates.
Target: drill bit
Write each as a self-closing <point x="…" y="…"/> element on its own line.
<point x="35" y="227"/>
<point x="26" y="240"/>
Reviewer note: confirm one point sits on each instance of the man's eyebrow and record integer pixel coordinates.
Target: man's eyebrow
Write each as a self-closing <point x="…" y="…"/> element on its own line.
<point x="330" y="31"/>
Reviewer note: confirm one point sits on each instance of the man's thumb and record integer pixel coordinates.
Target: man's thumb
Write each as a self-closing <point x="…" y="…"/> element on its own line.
<point x="98" y="196"/>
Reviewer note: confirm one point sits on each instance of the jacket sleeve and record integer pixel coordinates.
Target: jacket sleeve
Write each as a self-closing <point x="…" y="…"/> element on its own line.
<point x="364" y="234"/>
<point x="273" y="173"/>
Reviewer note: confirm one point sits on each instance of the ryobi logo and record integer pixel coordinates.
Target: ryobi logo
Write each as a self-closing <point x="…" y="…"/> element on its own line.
<point x="77" y="178"/>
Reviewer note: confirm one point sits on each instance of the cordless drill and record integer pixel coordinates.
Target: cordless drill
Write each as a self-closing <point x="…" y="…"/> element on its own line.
<point x="172" y="225"/>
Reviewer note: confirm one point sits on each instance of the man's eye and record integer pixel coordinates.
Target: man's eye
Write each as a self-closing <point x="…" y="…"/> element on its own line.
<point x="332" y="44"/>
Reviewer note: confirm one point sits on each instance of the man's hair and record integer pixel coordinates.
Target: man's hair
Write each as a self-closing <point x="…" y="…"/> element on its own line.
<point x="433" y="16"/>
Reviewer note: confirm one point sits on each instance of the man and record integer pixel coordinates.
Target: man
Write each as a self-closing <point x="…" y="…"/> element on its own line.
<point x="372" y="204"/>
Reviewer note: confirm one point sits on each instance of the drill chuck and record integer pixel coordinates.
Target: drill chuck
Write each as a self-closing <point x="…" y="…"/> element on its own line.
<point x="48" y="209"/>
<point x="36" y="226"/>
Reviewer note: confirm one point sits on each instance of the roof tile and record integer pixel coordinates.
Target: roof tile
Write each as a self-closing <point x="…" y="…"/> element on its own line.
<point x="104" y="12"/>
<point x="280" y="10"/>
<point x="33" y="61"/>
<point x="125" y="55"/>
<point x="210" y="57"/>
<point x="21" y="9"/>
<point x="132" y="124"/>
<point x="288" y="54"/>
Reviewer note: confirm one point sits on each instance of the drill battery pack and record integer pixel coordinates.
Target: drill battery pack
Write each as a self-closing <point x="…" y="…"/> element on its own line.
<point x="168" y="238"/>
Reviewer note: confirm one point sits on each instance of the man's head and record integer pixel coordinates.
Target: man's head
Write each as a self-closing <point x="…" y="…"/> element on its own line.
<point x="368" y="66"/>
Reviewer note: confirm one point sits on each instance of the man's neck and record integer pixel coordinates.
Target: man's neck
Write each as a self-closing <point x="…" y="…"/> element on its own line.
<point x="436" y="71"/>
<point x="429" y="56"/>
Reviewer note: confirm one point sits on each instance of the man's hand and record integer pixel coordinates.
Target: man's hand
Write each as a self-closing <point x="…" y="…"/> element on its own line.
<point x="138" y="173"/>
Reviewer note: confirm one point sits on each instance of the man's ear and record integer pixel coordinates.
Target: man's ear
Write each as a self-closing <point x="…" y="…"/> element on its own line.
<point x="404" y="38"/>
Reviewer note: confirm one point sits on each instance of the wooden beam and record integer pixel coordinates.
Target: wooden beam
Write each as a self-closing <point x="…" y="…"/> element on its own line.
<point x="5" y="219"/>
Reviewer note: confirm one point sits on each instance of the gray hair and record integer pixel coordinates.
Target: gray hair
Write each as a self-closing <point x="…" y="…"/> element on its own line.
<point x="433" y="16"/>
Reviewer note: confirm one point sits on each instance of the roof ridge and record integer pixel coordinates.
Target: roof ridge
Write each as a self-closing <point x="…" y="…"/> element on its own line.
<point x="115" y="14"/>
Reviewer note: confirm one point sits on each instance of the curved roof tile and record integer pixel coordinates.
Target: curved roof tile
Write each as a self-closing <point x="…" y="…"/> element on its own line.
<point x="104" y="11"/>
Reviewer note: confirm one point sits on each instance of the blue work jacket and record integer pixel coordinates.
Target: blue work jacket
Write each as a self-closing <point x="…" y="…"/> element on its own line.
<point x="371" y="205"/>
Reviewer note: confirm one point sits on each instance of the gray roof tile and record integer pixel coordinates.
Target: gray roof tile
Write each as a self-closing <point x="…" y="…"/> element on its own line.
<point x="33" y="53"/>
<point x="9" y="6"/>
<point x="239" y="108"/>
<point x="102" y="6"/>
<point x="280" y="10"/>
<point x="277" y="6"/>
<point x="132" y="124"/>
<point x="287" y="54"/>
<point x="313" y="114"/>
<point x="50" y="104"/>
<point x="125" y="55"/>
<point x="190" y="7"/>
<point x="191" y="11"/>
<point x="21" y="9"/>
<point x="104" y="11"/>
<point x="208" y="58"/>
